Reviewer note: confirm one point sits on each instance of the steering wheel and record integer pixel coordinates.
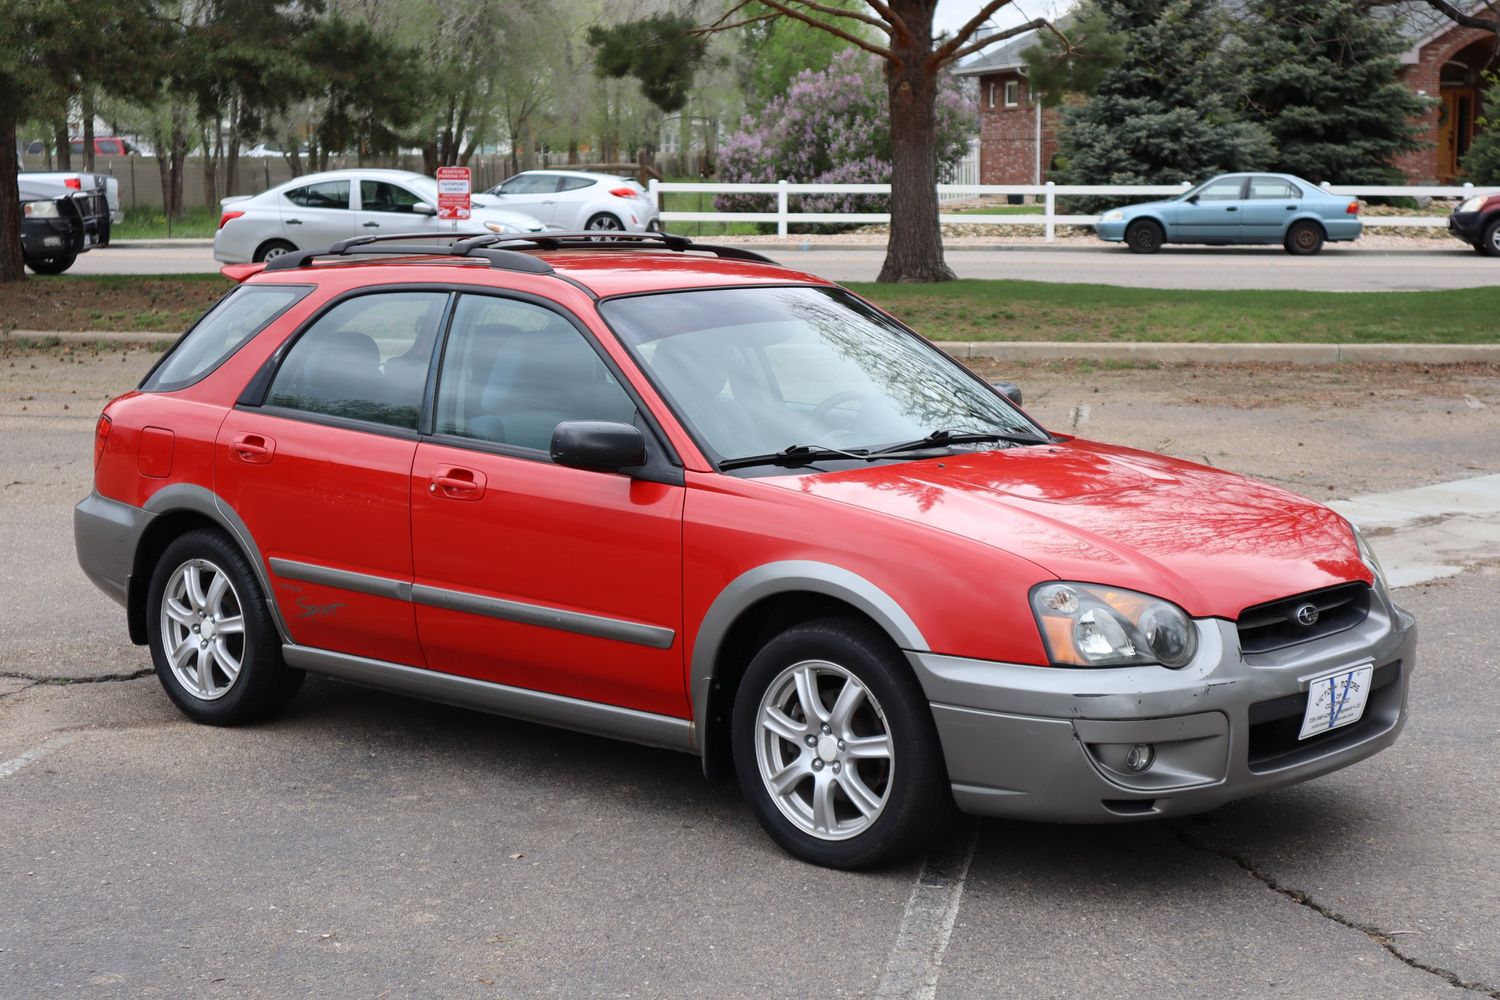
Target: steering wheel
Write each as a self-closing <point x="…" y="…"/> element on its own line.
<point x="839" y="399"/>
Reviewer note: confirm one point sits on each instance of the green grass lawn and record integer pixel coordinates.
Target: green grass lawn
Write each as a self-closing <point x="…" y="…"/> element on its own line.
<point x="956" y="310"/>
<point x="1035" y="310"/>
<point x="1001" y="210"/>
<point x="151" y="224"/>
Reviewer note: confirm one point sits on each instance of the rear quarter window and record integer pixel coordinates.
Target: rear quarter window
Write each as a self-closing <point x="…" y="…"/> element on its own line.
<point x="224" y="329"/>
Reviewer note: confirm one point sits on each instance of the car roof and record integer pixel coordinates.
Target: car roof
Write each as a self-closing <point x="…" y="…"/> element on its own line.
<point x="348" y="174"/>
<point x="604" y="273"/>
<point x="573" y="173"/>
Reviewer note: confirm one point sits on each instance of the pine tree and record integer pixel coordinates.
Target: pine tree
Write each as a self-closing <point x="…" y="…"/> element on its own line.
<point x="1164" y="114"/>
<point x="1321" y="76"/>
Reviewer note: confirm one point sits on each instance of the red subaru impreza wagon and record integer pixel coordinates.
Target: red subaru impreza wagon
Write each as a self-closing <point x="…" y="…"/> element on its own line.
<point x="681" y="495"/>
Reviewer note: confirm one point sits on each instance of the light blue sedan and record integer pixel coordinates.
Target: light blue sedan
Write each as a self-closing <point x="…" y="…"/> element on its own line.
<point x="1238" y="208"/>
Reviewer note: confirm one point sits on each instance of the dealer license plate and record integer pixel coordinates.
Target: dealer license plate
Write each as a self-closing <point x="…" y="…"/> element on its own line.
<point x="1336" y="699"/>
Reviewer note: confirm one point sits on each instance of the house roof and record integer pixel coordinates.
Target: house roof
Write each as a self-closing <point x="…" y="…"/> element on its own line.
<point x="1007" y="56"/>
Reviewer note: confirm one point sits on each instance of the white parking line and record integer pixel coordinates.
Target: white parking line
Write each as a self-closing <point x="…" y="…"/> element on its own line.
<point x="9" y="767"/>
<point x="911" y="970"/>
<point x="1430" y="532"/>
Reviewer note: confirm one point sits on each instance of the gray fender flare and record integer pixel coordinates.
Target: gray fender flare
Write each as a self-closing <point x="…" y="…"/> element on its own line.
<point x="768" y="580"/>
<point x="201" y="500"/>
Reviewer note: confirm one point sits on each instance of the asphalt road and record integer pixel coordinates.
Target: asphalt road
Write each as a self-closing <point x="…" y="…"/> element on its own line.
<point x="1336" y="269"/>
<point x="366" y="845"/>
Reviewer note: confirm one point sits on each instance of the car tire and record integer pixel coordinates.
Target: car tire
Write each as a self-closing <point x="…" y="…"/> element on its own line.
<point x="1303" y="239"/>
<point x="104" y="229"/>
<point x="215" y="646"/>
<point x="839" y="802"/>
<point x="1145" y="236"/>
<point x="271" y="249"/>
<point x="1489" y="243"/>
<point x="604" y="222"/>
<point x="52" y="265"/>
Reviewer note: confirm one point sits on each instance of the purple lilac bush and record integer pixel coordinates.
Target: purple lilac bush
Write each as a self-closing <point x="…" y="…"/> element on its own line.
<point x="831" y="127"/>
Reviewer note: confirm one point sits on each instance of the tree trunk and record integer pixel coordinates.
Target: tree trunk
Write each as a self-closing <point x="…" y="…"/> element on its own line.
<point x="64" y="144"/>
<point x="86" y="99"/>
<point x="12" y="264"/>
<point x="914" y="252"/>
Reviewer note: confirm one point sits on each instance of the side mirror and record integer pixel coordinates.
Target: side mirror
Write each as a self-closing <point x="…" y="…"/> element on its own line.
<point x="422" y="208"/>
<point x="1191" y="199"/>
<point x="599" y="445"/>
<point x="1009" y="390"/>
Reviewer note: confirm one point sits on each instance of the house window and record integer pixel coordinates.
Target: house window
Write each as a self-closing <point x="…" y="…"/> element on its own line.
<point x="1012" y="93"/>
<point x="992" y="94"/>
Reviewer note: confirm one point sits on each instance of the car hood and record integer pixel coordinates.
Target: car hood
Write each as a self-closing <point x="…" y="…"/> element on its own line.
<point x="1147" y="206"/>
<point x="1211" y="541"/>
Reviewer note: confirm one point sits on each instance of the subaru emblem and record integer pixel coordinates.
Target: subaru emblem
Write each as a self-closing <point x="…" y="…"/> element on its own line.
<point x="1307" y="615"/>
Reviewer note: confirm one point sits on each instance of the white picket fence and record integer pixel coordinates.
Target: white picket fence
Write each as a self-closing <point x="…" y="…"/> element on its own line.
<point x="1049" y="192"/>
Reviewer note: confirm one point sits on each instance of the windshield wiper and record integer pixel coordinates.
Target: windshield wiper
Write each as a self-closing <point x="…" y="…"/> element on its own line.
<point x="946" y="436"/>
<point x="797" y="454"/>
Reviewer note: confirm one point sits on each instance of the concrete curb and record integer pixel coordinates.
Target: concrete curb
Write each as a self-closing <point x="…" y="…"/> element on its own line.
<point x="175" y="243"/>
<point x="1163" y="353"/>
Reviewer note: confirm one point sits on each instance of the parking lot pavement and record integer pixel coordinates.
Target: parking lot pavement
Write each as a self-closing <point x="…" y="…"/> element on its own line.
<point x="1341" y="269"/>
<point x="367" y="845"/>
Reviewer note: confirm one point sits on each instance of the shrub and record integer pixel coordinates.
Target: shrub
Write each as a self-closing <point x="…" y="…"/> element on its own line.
<point x="832" y="127"/>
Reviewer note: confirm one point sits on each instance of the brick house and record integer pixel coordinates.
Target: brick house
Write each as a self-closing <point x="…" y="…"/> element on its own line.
<point x="1445" y="62"/>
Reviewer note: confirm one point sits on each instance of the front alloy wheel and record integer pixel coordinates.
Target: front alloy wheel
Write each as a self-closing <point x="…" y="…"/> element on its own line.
<point x="835" y="748"/>
<point x="824" y="750"/>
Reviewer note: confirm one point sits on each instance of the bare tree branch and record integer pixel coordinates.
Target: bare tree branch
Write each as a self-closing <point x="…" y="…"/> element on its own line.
<point x="1458" y="16"/>
<point x="1000" y="36"/>
<point x="963" y="34"/>
<point x="797" y="14"/>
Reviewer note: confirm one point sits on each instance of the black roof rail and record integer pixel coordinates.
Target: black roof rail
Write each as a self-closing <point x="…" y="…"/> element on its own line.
<point x="613" y="239"/>
<point x="472" y="245"/>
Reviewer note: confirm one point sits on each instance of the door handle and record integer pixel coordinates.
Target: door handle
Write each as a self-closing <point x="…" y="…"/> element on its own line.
<point x="1231" y="208"/>
<point x="453" y="483"/>
<point x="294" y="222"/>
<point x="252" y="449"/>
<point x="1291" y="208"/>
<point x="372" y="225"/>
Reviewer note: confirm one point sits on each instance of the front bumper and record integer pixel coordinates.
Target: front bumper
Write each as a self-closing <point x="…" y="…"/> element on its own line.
<point x="1111" y="232"/>
<point x="1048" y="743"/>
<point x="42" y="239"/>
<point x="1466" y="226"/>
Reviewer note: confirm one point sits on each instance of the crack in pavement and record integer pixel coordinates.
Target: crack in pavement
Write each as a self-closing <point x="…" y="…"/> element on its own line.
<point x="36" y="679"/>
<point x="1375" y="934"/>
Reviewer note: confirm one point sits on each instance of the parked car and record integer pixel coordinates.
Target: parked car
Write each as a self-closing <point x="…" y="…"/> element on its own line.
<point x="572" y="199"/>
<point x="53" y="232"/>
<point x="681" y="495"/>
<point x="104" y="145"/>
<point x="1477" y="222"/>
<point x="315" y="210"/>
<point x="97" y="196"/>
<point x="1238" y="208"/>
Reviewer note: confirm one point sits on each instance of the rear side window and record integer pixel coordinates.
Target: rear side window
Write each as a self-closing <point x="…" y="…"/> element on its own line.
<point x="327" y="194"/>
<point x="364" y="359"/>
<point x="575" y="183"/>
<point x="1272" y="188"/>
<point x="226" y="328"/>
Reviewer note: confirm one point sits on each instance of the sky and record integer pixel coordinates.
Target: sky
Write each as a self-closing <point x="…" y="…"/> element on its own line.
<point x="953" y="14"/>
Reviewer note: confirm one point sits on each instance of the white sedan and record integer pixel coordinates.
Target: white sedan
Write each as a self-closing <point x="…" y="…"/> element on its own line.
<point x="576" y="201"/>
<point x="314" y="210"/>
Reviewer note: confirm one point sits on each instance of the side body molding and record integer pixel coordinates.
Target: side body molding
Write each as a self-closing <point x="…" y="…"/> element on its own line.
<point x="200" y="500"/>
<point x="788" y="576"/>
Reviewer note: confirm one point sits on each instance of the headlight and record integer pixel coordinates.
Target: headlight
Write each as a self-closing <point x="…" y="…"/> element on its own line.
<point x="1086" y="625"/>
<point x="39" y="209"/>
<point x="1113" y="215"/>
<point x="1368" y="555"/>
<point x="500" y="227"/>
<point x="1472" y="205"/>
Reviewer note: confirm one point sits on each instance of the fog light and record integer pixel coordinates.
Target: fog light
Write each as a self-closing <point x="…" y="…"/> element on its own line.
<point x="1140" y="757"/>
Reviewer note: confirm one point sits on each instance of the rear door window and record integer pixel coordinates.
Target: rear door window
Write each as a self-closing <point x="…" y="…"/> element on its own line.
<point x="223" y="330"/>
<point x="1272" y="188"/>
<point x="325" y="194"/>
<point x="364" y="359"/>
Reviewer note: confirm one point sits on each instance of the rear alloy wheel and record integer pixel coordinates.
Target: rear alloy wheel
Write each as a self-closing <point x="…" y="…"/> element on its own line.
<point x="216" y="649"/>
<point x="835" y="747"/>
<point x="1489" y="243"/>
<point x="1304" y="238"/>
<point x="271" y="249"/>
<point x="1144" y="237"/>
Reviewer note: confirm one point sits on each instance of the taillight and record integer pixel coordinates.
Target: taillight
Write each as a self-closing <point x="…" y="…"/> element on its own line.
<point x="101" y="435"/>
<point x="76" y="183"/>
<point x="1353" y="208"/>
<point x="624" y="192"/>
<point x="227" y="217"/>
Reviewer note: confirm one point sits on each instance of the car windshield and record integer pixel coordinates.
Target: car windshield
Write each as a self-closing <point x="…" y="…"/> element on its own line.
<point x="426" y="187"/>
<point x="761" y="371"/>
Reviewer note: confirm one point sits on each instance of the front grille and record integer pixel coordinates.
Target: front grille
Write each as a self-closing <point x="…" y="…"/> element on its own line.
<point x="1276" y="724"/>
<point x="1274" y="625"/>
